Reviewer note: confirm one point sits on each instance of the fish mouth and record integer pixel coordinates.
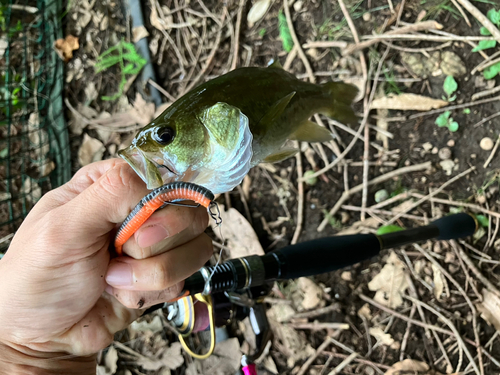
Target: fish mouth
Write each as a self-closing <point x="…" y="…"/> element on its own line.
<point x="153" y="171"/>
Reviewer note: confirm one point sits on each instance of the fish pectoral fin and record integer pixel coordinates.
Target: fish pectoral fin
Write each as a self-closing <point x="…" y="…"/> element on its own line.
<point x="276" y="110"/>
<point x="276" y="64"/>
<point x="309" y="131"/>
<point x="280" y="155"/>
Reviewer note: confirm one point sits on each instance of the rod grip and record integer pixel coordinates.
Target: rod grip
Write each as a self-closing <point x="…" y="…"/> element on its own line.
<point x="455" y="226"/>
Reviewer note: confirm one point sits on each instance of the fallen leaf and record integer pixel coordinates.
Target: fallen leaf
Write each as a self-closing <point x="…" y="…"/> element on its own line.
<point x="225" y="360"/>
<point x="170" y="358"/>
<point x="90" y="93"/>
<point x="65" y="47"/>
<point x="408" y="102"/>
<point x="90" y="151"/>
<point x="438" y="282"/>
<point x="282" y="312"/>
<point x="241" y="238"/>
<point x="257" y="11"/>
<point x="3" y="45"/>
<point x="490" y="308"/>
<point x="143" y="325"/>
<point x="390" y="284"/>
<point x="308" y="294"/>
<point x="110" y="365"/>
<point x="160" y="23"/>
<point x="452" y="64"/>
<point x="139" y="32"/>
<point x="380" y="335"/>
<point x="365" y="312"/>
<point x="412" y="367"/>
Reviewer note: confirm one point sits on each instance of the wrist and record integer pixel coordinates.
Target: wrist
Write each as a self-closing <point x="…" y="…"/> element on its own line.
<point x="20" y="360"/>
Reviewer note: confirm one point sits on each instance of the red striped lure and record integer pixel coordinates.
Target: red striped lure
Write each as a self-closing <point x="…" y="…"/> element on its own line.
<point x="157" y="199"/>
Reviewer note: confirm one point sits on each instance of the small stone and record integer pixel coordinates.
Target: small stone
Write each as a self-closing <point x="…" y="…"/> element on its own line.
<point x="367" y="16"/>
<point x="444" y="153"/>
<point x="346" y="276"/>
<point x="344" y="217"/>
<point x="423" y="179"/>
<point x="427" y="146"/>
<point x="435" y="150"/>
<point x="297" y="6"/>
<point x="381" y="195"/>
<point x="481" y="199"/>
<point x="447" y="166"/>
<point x="450" y="143"/>
<point x="473" y="156"/>
<point x="486" y="144"/>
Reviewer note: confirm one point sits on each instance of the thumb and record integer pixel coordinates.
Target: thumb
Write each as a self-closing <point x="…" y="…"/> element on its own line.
<point x="106" y="202"/>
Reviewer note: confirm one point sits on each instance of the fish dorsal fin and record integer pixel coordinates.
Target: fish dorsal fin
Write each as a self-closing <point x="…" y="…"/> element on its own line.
<point x="276" y="110"/>
<point x="280" y="155"/>
<point x="221" y="121"/>
<point x="276" y="64"/>
<point x="309" y="131"/>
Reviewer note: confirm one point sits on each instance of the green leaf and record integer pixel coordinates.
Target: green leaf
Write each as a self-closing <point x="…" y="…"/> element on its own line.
<point x="483" y="221"/>
<point x="4" y="153"/>
<point x="285" y="35"/>
<point x="389" y="229"/>
<point x="466" y="111"/>
<point x="484" y="44"/>
<point x="442" y="119"/>
<point x="453" y="126"/>
<point x="484" y="31"/>
<point x="494" y="16"/>
<point x="262" y="32"/>
<point x="492" y="71"/>
<point x="450" y="85"/>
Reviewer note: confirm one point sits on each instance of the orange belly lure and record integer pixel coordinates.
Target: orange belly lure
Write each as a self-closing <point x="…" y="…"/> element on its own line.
<point x="159" y="198"/>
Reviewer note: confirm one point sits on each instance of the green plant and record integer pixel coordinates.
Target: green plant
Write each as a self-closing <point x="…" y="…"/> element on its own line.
<point x="444" y="120"/>
<point x="483" y="221"/>
<point x="389" y="229"/>
<point x="331" y="220"/>
<point x="262" y="32"/>
<point x="467" y="111"/>
<point x="494" y="16"/>
<point x="285" y="35"/>
<point x="129" y="60"/>
<point x="391" y="86"/>
<point x="449" y="87"/>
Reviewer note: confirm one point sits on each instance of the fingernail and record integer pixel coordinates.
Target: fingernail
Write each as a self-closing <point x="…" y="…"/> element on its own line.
<point x="119" y="274"/>
<point x="151" y="235"/>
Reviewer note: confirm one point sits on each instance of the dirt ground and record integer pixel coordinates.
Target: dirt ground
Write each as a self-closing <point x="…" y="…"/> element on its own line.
<point x="443" y="288"/>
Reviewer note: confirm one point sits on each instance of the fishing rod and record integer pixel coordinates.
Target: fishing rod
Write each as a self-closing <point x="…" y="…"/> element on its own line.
<point x="214" y="296"/>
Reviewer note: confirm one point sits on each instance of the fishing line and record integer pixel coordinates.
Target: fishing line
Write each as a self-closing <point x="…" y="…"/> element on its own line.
<point x="216" y="216"/>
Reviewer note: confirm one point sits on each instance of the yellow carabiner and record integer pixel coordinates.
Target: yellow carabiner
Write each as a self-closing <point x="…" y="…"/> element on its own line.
<point x="207" y="300"/>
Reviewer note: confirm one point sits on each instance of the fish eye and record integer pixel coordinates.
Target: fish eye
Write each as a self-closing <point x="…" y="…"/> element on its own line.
<point x="164" y="135"/>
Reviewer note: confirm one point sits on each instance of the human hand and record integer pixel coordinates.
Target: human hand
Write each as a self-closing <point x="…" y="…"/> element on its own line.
<point x="53" y="277"/>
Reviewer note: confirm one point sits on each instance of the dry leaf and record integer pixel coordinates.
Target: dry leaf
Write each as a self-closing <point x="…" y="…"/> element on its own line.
<point x="90" y="93"/>
<point x="225" y="360"/>
<point x="65" y="47"/>
<point x="490" y="308"/>
<point x="408" y="102"/>
<point x="282" y="312"/>
<point x="170" y="358"/>
<point x="412" y="367"/>
<point x="241" y="238"/>
<point x="139" y="32"/>
<point x="257" y="11"/>
<point x="90" y="151"/>
<point x="380" y="335"/>
<point x="364" y="312"/>
<point x="3" y="45"/>
<point x="390" y="284"/>
<point x="110" y="362"/>
<point x="308" y="294"/>
<point x="160" y="23"/>
<point x="438" y="282"/>
<point x="143" y="325"/>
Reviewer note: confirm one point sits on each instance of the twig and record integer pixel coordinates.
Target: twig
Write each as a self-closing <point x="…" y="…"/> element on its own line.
<point x="420" y="26"/>
<point x="161" y="89"/>
<point x="459" y="204"/>
<point x="481" y="18"/>
<point x="290" y="57"/>
<point x="464" y="15"/>
<point x="493" y="152"/>
<point x="237" y="35"/>
<point x="430" y="195"/>
<point x="317" y="312"/>
<point x="416" y="50"/>
<point x="300" y="197"/>
<point x="350" y="131"/>
<point x="486" y="119"/>
<point x="492" y="288"/>
<point x="325" y="44"/>
<point x="375" y="366"/>
<point x="301" y="53"/>
<point x="316" y="326"/>
<point x="448" y="322"/>
<point x="375" y="181"/>
<point x="383" y="212"/>
<point x="484" y="93"/>
<point x="311" y="359"/>
<point x="491" y="60"/>
<point x="344" y="363"/>
<point x="430" y="38"/>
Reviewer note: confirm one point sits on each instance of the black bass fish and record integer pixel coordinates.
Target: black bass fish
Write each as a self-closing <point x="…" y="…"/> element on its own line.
<point x="214" y="134"/>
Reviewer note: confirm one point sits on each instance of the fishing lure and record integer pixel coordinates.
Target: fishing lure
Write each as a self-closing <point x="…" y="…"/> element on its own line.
<point x="157" y="199"/>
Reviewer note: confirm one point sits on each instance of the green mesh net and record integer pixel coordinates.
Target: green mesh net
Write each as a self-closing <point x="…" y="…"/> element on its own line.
<point x="34" y="146"/>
